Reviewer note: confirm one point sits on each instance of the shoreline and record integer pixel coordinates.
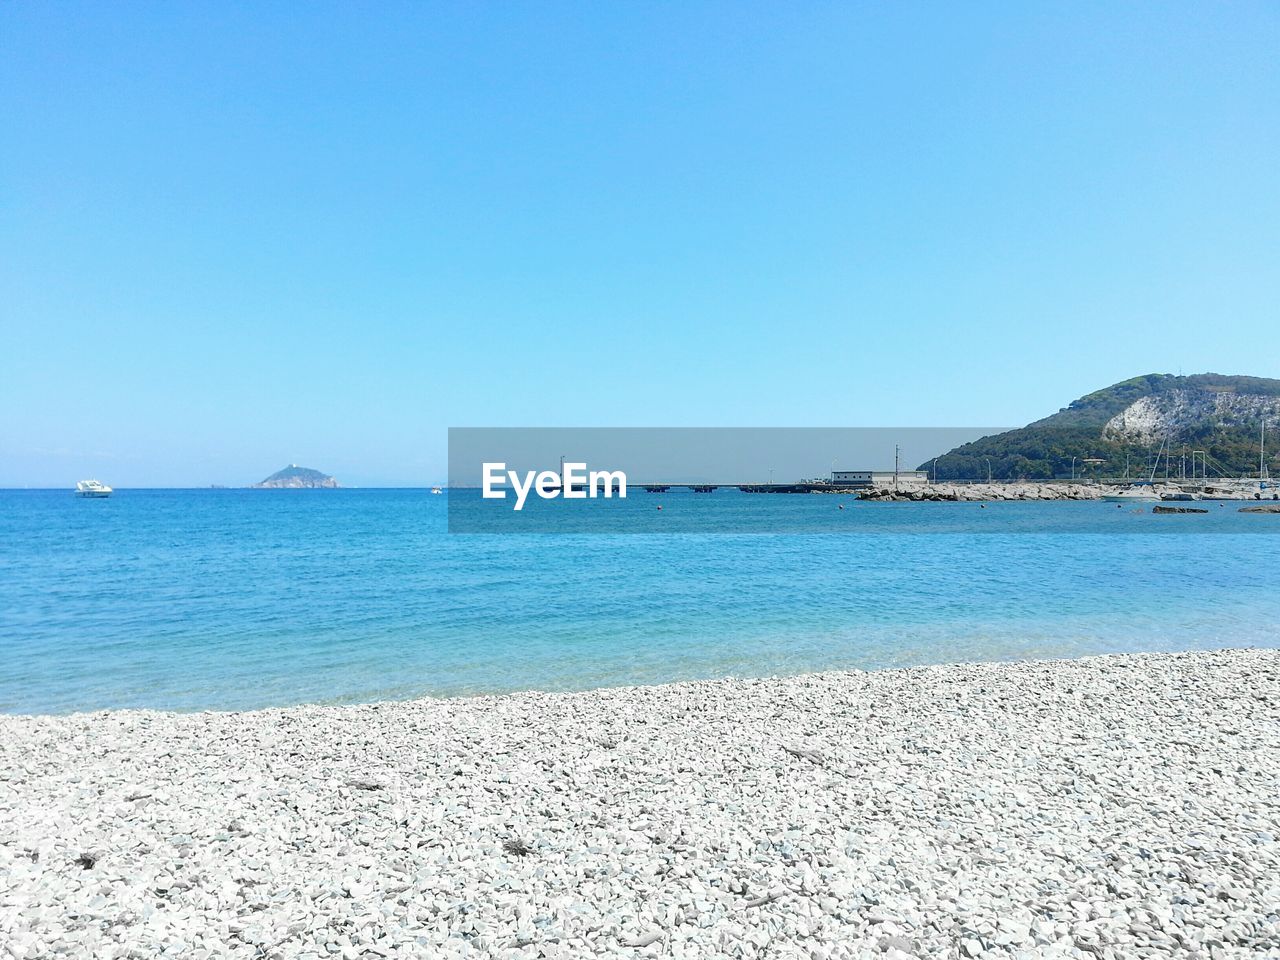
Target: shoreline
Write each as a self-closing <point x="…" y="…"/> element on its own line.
<point x="1111" y="806"/>
<point x="692" y="685"/>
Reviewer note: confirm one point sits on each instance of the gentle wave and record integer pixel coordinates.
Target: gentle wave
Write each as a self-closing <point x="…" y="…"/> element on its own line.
<point x="230" y="599"/>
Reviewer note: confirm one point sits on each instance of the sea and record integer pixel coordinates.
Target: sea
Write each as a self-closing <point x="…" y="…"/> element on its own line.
<point x="242" y="599"/>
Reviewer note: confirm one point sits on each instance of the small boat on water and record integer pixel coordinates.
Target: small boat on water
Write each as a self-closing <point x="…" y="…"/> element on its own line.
<point x="436" y="490"/>
<point x="92" y="488"/>
<point x="1133" y="495"/>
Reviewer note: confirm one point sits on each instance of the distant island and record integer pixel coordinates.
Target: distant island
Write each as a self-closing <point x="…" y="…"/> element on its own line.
<point x="1205" y="423"/>
<point x="294" y="477"/>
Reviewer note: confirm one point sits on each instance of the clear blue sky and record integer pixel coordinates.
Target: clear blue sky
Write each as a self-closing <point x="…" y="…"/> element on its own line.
<point x="237" y="236"/>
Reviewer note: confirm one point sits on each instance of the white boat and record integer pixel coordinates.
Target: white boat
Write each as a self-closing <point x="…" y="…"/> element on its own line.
<point x="1133" y="495"/>
<point x="436" y="490"/>
<point x="92" y="488"/>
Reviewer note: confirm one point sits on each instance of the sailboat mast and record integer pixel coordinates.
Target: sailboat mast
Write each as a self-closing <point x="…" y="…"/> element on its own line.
<point x="1156" y="465"/>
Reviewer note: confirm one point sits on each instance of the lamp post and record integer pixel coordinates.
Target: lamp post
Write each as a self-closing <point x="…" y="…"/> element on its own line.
<point x="1073" y="469"/>
<point x="988" y="459"/>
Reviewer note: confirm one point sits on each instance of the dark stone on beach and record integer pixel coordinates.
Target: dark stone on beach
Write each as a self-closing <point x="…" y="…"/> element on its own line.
<point x="1262" y="508"/>
<point x="517" y="847"/>
<point x="1177" y="510"/>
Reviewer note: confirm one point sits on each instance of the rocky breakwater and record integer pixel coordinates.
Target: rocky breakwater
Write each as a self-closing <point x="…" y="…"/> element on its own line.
<point x="990" y="491"/>
<point x="1100" y="809"/>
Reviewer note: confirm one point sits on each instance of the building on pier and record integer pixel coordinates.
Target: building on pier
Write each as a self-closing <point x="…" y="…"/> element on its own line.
<point x="878" y="478"/>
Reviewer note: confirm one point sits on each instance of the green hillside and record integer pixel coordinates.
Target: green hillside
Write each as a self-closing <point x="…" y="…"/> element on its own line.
<point x="1220" y="415"/>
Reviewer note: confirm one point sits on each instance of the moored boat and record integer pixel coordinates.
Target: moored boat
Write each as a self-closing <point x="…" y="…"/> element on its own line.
<point x="1132" y="495"/>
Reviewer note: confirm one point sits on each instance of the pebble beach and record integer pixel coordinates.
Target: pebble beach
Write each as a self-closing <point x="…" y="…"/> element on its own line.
<point x="1110" y="807"/>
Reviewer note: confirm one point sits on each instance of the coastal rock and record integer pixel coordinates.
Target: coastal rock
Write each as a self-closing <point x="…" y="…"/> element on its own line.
<point x="980" y="492"/>
<point x="294" y="477"/>
<point x="1055" y="490"/>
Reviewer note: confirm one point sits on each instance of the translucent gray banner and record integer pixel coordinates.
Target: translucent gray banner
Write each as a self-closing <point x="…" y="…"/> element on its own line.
<point x="847" y="480"/>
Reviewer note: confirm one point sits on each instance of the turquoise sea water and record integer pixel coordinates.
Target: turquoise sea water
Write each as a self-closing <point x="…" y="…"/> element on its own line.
<point x="220" y="599"/>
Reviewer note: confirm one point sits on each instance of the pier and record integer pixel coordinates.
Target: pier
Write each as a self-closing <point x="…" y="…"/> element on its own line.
<point x="804" y="487"/>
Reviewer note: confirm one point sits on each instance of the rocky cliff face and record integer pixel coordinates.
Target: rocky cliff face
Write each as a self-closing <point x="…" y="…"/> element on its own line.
<point x="294" y="477"/>
<point x="1176" y="413"/>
